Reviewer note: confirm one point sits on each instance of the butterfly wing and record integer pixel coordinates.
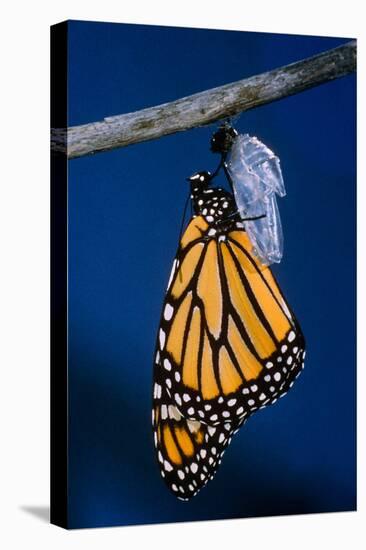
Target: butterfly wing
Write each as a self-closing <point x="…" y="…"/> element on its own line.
<point x="227" y="345"/>
<point x="188" y="451"/>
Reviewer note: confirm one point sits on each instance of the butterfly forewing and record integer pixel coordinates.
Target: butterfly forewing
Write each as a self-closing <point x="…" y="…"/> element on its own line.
<point x="226" y="330"/>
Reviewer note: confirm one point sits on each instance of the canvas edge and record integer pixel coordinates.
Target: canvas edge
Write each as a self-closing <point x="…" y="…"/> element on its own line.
<point x="58" y="298"/>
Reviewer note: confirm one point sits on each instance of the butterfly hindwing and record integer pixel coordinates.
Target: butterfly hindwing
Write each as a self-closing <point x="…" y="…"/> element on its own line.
<point x="188" y="451"/>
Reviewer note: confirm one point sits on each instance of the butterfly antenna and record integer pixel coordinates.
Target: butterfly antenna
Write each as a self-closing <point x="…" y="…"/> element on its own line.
<point x="221" y="164"/>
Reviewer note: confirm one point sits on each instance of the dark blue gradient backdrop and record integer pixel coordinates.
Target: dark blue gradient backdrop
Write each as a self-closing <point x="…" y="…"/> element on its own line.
<point x="125" y="207"/>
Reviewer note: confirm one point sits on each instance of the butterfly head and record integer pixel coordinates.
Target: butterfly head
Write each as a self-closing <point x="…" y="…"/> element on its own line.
<point x="223" y="139"/>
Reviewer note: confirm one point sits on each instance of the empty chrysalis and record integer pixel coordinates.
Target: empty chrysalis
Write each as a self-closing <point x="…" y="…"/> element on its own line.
<point x="256" y="178"/>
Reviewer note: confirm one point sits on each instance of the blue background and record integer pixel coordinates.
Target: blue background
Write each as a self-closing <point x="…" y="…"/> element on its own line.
<point x="125" y="208"/>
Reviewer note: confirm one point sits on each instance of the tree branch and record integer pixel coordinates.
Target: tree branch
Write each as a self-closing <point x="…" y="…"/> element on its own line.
<point x="204" y="107"/>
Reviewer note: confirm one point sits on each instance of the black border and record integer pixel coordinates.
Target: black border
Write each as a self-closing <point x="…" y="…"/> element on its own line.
<point x="59" y="401"/>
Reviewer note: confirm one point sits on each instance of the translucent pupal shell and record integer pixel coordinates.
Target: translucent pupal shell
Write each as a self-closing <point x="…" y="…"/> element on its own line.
<point x="257" y="178"/>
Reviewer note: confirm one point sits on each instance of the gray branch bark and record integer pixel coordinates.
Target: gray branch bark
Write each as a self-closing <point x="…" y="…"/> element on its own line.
<point x="205" y="107"/>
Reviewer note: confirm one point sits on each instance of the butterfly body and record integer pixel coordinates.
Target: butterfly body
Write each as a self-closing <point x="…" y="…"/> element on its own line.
<point x="228" y="343"/>
<point x="215" y="204"/>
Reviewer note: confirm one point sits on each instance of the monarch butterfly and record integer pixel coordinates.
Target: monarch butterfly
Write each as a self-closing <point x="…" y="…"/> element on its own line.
<point x="228" y="343"/>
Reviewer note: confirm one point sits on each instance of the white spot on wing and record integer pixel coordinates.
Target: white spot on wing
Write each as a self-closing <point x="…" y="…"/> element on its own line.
<point x="164" y="412"/>
<point x="157" y="391"/>
<point x="168" y="467"/>
<point x="286" y="310"/>
<point x="194" y="467"/>
<point x="168" y="312"/>
<point x="174" y="413"/>
<point x="161" y="338"/>
<point x="172" y="273"/>
<point x="193" y="425"/>
<point x="167" y="364"/>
